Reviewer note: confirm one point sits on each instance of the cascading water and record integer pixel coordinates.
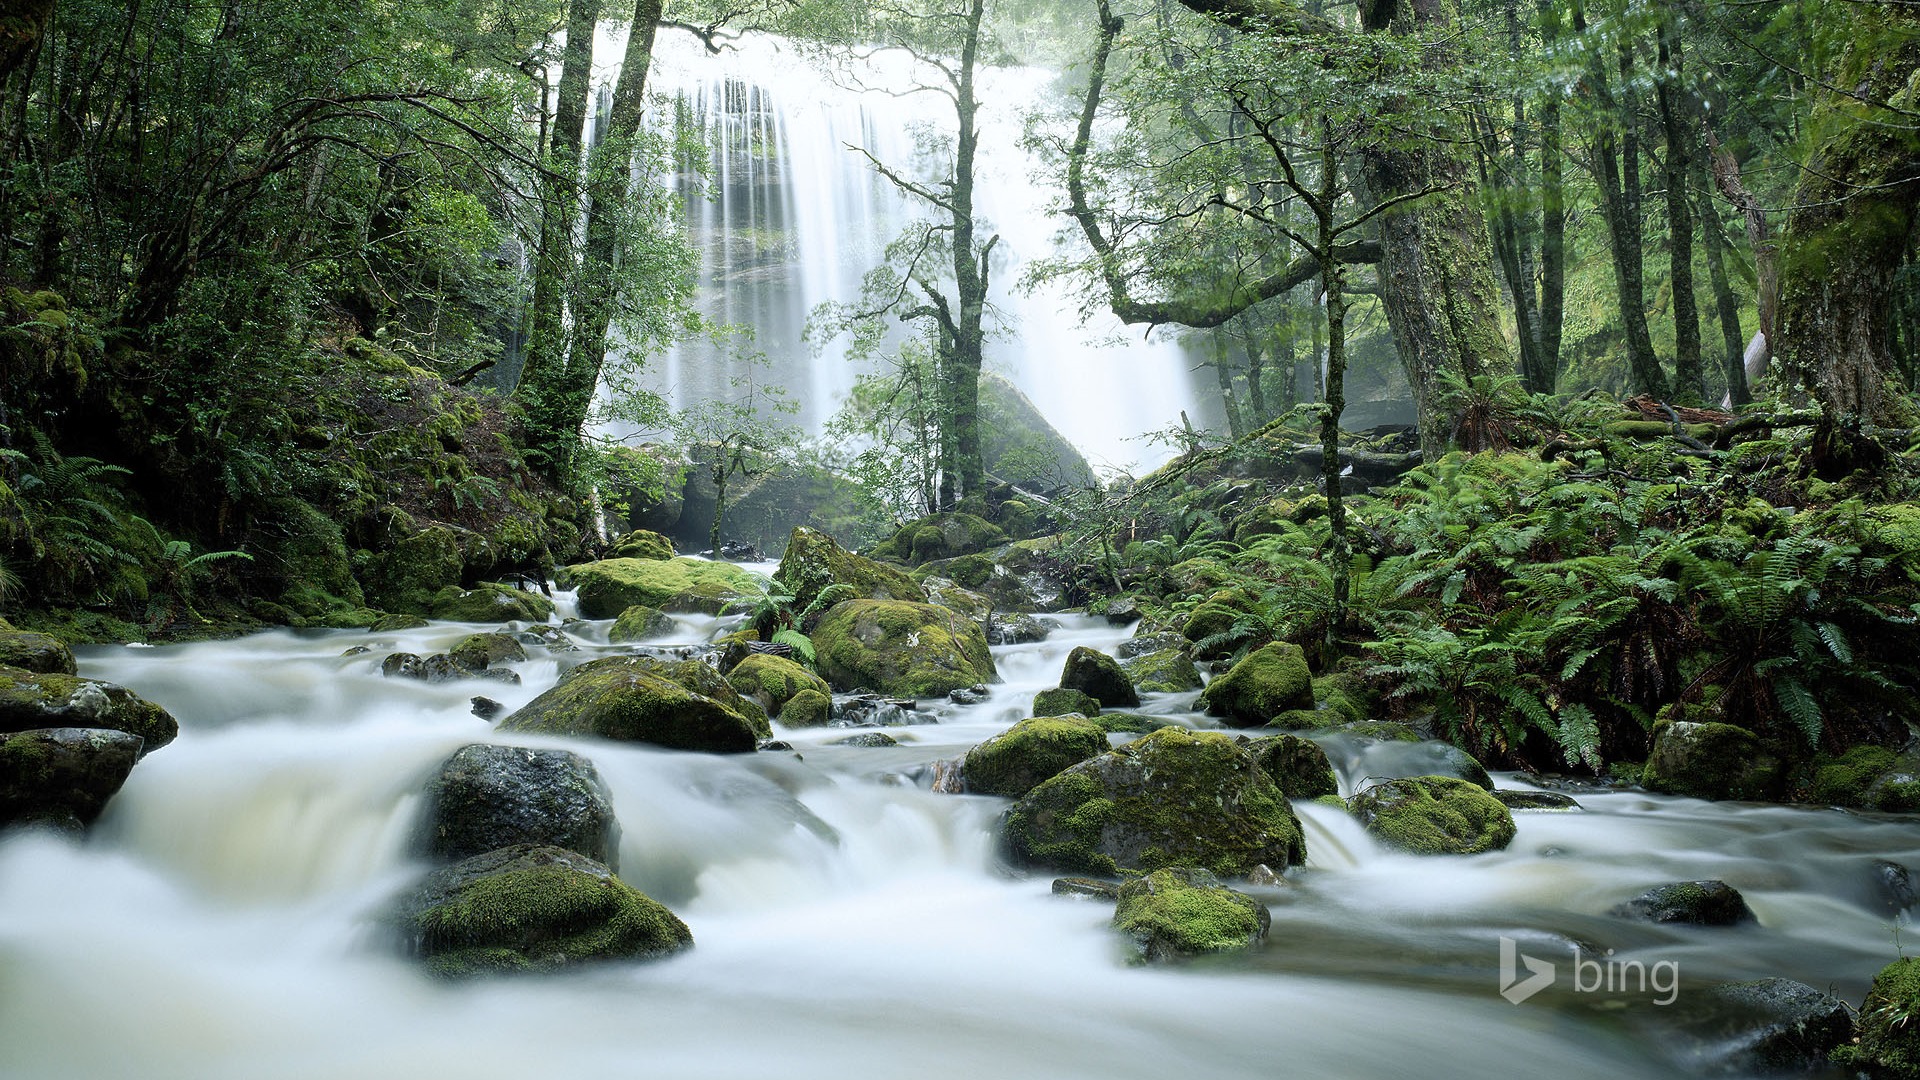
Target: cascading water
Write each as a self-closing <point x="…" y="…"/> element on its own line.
<point x="791" y="217"/>
<point x="219" y="921"/>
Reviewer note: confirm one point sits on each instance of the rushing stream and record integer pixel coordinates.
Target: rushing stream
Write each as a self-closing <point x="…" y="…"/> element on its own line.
<point x="849" y="921"/>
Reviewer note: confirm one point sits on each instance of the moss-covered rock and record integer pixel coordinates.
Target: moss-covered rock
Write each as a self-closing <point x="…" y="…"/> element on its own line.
<point x="629" y="698"/>
<point x="1168" y="671"/>
<point x="1870" y="778"/>
<point x="940" y="536"/>
<point x="42" y="654"/>
<point x="477" y="652"/>
<point x="1889" y="1025"/>
<point x="1059" y="701"/>
<point x="643" y="544"/>
<point x="705" y="679"/>
<point x="900" y="648"/>
<point x="1298" y="765"/>
<point x="1433" y="815"/>
<point x="611" y="586"/>
<point x="639" y="623"/>
<point x="1013" y="762"/>
<point x="387" y="624"/>
<point x="1210" y="619"/>
<point x="1710" y="761"/>
<point x="1100" y="677"/>
<point x="490" y="604"/>
<point x="773" y="680"/>
<point x="62" y="777"/>
<point x="485" y="797"/>
<point x="813" y="561"/>
<point x="409" y="574"/>
<point x="30" y="700"/>
<point x="948" y="594"/>
<point x="1271" y="680"/>
<point x="530" y="908"/>
<point x="1180" y="912"/>
<point x="1171" y="798"/>
<point x="807" y="708"/>
<point x="305" y="552"/>
<point x="1697" y="903"/>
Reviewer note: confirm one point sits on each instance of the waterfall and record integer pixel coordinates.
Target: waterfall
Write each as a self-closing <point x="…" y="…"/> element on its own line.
<point x="790" y="217"/>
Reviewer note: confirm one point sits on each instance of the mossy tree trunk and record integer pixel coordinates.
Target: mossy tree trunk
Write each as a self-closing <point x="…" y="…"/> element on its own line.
<point x="1853" y="218"/>
<point x="1689" y="373"/>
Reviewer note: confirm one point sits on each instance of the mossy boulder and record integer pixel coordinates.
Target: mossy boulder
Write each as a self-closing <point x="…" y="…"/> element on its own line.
<point x="531" y="908"/>
<point x="1180" y="912"/>
<point x="643" y="544"/>
<point x="807" y="708"/>
<point x="1210" y="619"/>
<point x="940" y="536"/>
<point x="485" y="797"/>
<point x="408" y="575"/>
<point x="948" y="594"/>
<point x="611" y="586"/>
<point x="705" y="679"/>
<point x="1015" y="761"/>
<point x="1271" y="680"/>
<point x="630" y="698"/>
<point x="62" y="777"/>
<point x="387" y="624"/>
<point x="1696" y="903"/>
<point x="42" y="654"/>
<point x="1100" y="677"/>
<point x="1870" y="778"/>
<point x="1168" y="671"/>
<point x="813" y="561"/>
<point x="1433" y="815"/>
<point x="490" y="604"/>
<point x="773" y="680"/>
<point x="1298" y="765"/>
<point x="1710" y="761"/>
<point x="477" y="652"/>
<point x="30" y="700"/>
<point x="1172" y="798"/>
<point x="1059" y="701"/>
<point x="1763" y="1027"/>
<point x="900" y="648"/>
<point x="640" y="622"/>
<point x="1889" y="1033"/>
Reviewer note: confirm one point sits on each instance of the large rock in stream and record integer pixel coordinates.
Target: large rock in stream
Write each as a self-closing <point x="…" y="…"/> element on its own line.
<point x="814" y="562"/>
<point x="30" y="700"/>
<point x="1100" y="677"/>
<point x="486" y="797"/>
<point x="1433" y="815"/>
<point x="530" y="908"/>
<point x="1172" y="798"/>
<point x="901" y="649"/>
<point x="611" y="586"/>
<point x="1176" y="913"/>
<point x="1018" y="759"/>
<point x="62" y="777"/>
<point x="640" y="699"/>
<point x="1273" y="679"/>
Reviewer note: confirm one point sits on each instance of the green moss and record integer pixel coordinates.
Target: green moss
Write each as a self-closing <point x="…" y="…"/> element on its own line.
<point x="408" y="575"/>
<point x="643" y="544"/>
<point x="1271" y="680"/>
<point x="773" y="680"/>
<point x="1710" y="761"/>
<point x="640" y="622"/>
<point x="1844" y="781"/>
<point x="1648" y="430"/>
<point x="611" y="586"/>
<point x="31" y="700"/>
<point x="490" y="604"/>
<point x="476" y="651"/>
<point x="534" y="909"/>
<point x="940" y="536"/>
<point x="813" y="561"/>
<point x="807" y="708"/>
<point x="387" y="624"/>
<point x="42" y="653"/>
<point x="1298" y="765"/>
<point x="1013" y="762"/>
<point x="900" y="648"/>
<point x="1171" y="798"/>
<point x="1889" y="1025"/>
<point x="1168" y="671"/>
<point x="1434" y="815"/>
<point x="1059" y="701"/>
<point x="627" y="699"/>
<point x="1183" y="912"/>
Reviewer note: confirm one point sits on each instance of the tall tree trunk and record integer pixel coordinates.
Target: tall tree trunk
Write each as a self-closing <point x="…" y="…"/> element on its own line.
<point x="1616" y="151"/>
<point x="1553" y="215"/>
<point x="970" y="272"/>
<point x="1760" y="240"/>
<point x="1689" y="373"/>
<point x="1502" y="187"/>
<point x="553" y="263"/>
<point x="1732" y="341"/>
<point x="1223" y="376"/>
<point x="1853" y="219"/>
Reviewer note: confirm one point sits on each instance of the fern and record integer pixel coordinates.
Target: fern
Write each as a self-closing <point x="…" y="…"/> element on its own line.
<point x="801" y="644"/>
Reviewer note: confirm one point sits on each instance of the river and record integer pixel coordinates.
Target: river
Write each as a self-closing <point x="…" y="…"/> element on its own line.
<point x="849" y="922"/>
